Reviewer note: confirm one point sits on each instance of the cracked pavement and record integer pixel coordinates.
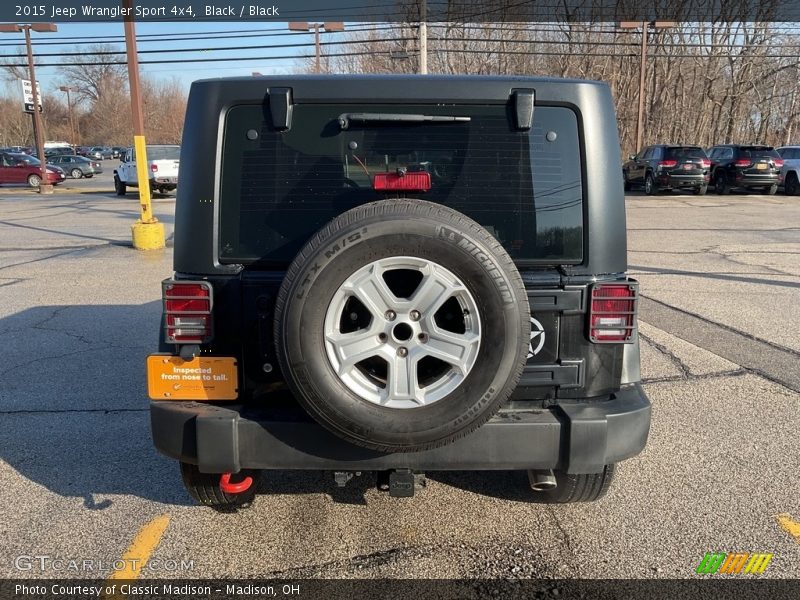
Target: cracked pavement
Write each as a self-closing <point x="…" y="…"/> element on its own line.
<point x="79" y="312"/>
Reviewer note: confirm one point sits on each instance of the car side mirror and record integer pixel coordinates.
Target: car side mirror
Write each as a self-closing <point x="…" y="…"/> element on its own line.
<point x="631" y="157"/>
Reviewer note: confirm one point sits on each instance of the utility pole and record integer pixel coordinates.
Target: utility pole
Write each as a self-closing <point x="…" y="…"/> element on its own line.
<point x="423" y="37"/>
<point x="45" y="187"/>
<point x="646" y="27"/>
<point x="147" y="232"/>
<point x="328" y="26"/>
<point x="68" y="89"/>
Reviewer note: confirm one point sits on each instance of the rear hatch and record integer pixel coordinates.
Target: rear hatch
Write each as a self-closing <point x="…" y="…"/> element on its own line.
<point x="163" y="162"/>
<point x="758" y="162"/>
<point x="525" y="186"/>
<point x="685" y="161"/>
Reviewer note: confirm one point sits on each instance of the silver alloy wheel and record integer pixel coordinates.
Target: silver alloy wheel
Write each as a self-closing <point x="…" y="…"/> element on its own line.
<point x="401" y="332"/>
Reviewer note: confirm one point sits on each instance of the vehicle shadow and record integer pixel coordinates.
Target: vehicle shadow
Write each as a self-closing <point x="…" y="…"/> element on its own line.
<point x="505" y="485"/>
<point x="74" y="406"/>
<point x="317" y="482"/>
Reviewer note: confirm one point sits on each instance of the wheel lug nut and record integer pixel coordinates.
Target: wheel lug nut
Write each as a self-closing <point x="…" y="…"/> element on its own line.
<point x="390" y="315"/>
<point x="414" y="315"/>
<point x="402" y="352"/>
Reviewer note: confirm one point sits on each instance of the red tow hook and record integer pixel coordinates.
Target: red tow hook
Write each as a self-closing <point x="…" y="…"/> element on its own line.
<point x="234" y="488"/>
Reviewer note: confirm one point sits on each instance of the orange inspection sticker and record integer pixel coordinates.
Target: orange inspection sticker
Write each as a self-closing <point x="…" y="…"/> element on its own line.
<point x="202" y="378"/>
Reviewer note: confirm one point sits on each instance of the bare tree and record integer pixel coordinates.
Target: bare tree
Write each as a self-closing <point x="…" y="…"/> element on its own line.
<point x="96" y="73"/>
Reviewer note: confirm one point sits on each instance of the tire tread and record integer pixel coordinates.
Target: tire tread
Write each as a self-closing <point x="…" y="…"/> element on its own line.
<point x="584" y="487"/>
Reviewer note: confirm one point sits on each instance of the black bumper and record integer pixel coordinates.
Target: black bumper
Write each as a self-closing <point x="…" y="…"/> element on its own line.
<point x="576" y="436"/>
<point x="682" y="181"/>
<point x="756" y="181"/>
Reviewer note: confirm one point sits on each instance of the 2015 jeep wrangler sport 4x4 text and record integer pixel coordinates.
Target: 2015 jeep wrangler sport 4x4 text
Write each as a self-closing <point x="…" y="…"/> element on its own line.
<point x="399" y="274"/>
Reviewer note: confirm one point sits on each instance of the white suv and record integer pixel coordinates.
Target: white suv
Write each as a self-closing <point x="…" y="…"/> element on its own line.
<point x="791" y="169"/>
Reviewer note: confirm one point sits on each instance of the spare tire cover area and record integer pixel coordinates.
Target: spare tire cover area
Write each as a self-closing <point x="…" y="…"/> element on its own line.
<point x="402" y="325"/>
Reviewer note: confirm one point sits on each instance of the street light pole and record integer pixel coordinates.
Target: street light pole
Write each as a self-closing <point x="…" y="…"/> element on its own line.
<point x="45" y="187"/>
<point x="645" y="27"/>
<point x="329" y="26"/>
<point x="68" y="89"/>
<point x="148" y="233"/>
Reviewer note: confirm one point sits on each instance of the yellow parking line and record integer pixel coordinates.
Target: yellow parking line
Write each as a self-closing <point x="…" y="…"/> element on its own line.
<point x="138" y="553"/>
<point x="790" y="526"/>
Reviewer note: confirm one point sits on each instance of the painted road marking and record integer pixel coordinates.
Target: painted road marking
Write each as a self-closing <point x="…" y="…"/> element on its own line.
<point x="789" y="525"/>
<point x="138" y="553"/>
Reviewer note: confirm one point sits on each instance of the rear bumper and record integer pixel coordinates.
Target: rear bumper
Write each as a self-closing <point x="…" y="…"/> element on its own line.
<point x="679" y="181"/>
<point x="164" y="182"/>
<point x="576" y="436"/>
<point x="748" y="181"/>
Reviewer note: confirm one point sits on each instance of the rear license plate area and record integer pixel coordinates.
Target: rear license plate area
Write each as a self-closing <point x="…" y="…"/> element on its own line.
<point x="202" y="378"/>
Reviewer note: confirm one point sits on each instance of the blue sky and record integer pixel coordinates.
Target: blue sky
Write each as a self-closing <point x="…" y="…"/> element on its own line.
<point x="50" y="77"/>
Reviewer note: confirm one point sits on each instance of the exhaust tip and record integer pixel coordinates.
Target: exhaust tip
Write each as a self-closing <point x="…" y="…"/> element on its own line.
<point x="542" y="480"/>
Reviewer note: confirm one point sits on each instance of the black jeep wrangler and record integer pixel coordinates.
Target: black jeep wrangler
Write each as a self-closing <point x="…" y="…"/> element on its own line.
<point x="399" y="274"/>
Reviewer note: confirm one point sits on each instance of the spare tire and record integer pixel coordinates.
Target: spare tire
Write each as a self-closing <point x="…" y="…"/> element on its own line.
<point x="402" y="325"/>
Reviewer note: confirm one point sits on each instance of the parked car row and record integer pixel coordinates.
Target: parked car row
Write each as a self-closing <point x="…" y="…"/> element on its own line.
<point x="92" y="152"/>
<point x="724" y="167"/>
<point x="100" y="152"/>
<point x="17" y="167"/>
<point x="23" y="168"/>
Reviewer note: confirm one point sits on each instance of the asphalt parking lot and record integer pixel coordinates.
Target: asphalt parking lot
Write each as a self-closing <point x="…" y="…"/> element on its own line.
<point x="79" y="309"/>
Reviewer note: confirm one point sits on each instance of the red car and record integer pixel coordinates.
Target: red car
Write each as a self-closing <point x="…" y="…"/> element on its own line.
<point x="21" y="168"/>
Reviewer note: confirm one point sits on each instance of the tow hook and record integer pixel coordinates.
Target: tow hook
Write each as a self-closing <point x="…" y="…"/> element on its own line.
<point x="234" y="488"/>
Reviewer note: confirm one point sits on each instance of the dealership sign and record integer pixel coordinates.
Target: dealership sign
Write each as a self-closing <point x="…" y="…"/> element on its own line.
<point x="27" y="95"/>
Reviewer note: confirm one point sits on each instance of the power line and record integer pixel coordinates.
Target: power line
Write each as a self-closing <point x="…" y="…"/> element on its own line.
<point x="250" y="33"/>
<point x="174" y="37"/>
<point x="447" y="40"/>
<point x="388" y="51"/>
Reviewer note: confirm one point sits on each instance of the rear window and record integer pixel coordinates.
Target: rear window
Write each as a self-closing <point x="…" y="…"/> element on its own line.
<point x="163" y="152"/>
<point x="279" y="188"/>
<point x="681" y="152"/>
<point x="756" y="152"/>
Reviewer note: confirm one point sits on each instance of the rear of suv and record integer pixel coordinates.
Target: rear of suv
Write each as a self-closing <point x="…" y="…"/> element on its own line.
<point x="749" y="167"/>
<point x="791" y="169"/>
<point x="397" y="275"/>
<point x="668" y="167"/>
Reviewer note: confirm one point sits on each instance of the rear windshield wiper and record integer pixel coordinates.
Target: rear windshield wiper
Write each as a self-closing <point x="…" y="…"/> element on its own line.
<point x="345" y="118"/>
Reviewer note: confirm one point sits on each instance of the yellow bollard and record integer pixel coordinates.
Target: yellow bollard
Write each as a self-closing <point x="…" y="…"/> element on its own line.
<point x="148" y="236"/>
<point x="148" y="233"/>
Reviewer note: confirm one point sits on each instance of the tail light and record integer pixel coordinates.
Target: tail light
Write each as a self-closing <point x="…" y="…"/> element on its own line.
<point x="154" y="167"/>
<point x="612" y="313"/>
<point x="419" y="181"/>
<point x="187" y="311"/>
<point x="778" y="163"/>
<point x="706" y="163"/>
<point x="669" y="163"/>
<point x="742" y="162"/>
